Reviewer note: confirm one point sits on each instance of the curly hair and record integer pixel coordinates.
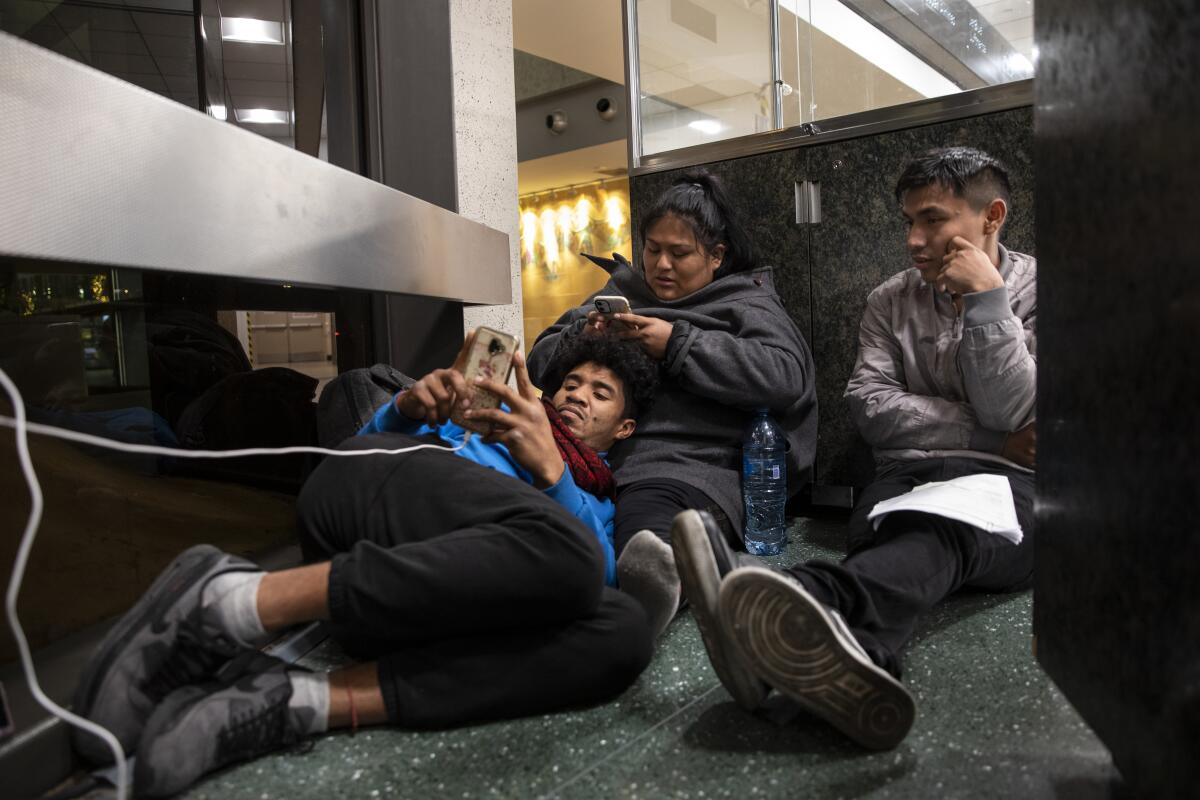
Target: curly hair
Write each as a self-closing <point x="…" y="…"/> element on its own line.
<point x="637" y="371"/>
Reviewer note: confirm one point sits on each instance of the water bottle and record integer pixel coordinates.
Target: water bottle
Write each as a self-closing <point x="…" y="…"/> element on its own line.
<point x="764" y="485"/>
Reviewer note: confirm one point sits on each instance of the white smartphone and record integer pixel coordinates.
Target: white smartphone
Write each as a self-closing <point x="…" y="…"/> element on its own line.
<point x="489" y="356"/>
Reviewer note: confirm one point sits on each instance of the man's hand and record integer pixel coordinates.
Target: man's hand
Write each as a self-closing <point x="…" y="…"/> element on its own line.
<point x="1020" y="446"/>
<point x="651" y="333"/>
<point x="967" y="269"/>
<point x="433" y="397"/>
<point x="524" y="428"/>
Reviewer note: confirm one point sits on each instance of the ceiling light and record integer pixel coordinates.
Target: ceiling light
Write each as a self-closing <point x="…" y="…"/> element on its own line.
<point x="219" y="112"/>
<point x="251" y="31"/>
<point x="262" y="116"/>
<point x="709" y="127"/>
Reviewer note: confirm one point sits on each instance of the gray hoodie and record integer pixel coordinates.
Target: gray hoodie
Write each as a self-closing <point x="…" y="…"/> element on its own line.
<point x="732" y="349"/>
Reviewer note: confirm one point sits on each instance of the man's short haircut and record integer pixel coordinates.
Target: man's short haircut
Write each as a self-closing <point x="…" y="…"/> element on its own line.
<point x="628" y="362"/>
<point x="970" y="174"/>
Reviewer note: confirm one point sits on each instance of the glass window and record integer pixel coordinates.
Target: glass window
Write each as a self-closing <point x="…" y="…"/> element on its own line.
<point x="842" y="57"/>
<point x="704" y="71"/>
<point x="259" y="66"/>
<point x="712" y="81"/>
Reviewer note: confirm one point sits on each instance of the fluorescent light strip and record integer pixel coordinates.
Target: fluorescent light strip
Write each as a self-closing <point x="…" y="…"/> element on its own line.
<point x="262" y="116"/>
<point x="251" y="31"/>
<point x="855" y="33"/>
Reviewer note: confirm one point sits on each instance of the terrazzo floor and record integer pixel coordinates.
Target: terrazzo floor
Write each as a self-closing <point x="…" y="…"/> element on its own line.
<point x="990" y="725"/>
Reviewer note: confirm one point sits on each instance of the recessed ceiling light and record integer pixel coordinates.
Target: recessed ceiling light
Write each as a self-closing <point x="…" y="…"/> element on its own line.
<point x="706" y="126"/>
<point x="262" y="116"/>
<point x="251" y="31"/>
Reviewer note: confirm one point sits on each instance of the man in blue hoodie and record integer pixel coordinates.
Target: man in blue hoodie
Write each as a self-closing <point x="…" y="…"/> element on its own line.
<point x="470" y="585"/>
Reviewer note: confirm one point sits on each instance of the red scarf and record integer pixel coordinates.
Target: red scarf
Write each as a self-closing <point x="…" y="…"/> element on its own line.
<point x="587" y="467"/>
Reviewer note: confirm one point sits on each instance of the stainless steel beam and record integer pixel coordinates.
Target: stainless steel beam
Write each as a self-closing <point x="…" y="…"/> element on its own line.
<point x="94" y="170"/>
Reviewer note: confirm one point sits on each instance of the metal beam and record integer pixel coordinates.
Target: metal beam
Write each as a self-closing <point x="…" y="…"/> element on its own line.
<point x="94" y="170"/>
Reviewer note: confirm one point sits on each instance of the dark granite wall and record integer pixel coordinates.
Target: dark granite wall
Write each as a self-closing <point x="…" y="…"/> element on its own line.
<point x="1117" y="592"/>
<point x="825" y="271"/>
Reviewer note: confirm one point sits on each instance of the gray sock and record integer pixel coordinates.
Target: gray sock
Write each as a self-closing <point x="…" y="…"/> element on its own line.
<point x="232" y="599"/>
<point x="309" y="704"/>
<point x="646" y="570"/>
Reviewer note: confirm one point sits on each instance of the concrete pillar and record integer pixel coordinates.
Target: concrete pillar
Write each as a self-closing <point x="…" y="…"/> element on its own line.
<point x="485" y="136"/>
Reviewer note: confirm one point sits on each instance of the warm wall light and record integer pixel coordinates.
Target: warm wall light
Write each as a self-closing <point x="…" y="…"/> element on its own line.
<point x="529" y="232"/>
<point x="614" y="214"/>
<point x="251" y="31"/>
<point x="549" y="239"/>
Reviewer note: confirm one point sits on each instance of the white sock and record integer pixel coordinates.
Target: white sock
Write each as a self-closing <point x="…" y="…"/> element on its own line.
<point x="232" y="599"/>
<point x="646" y="570"/>
<point x="309" y="704"/>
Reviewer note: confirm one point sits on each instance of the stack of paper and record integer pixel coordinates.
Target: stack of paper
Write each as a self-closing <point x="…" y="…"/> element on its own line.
<point x="984" y="501"/>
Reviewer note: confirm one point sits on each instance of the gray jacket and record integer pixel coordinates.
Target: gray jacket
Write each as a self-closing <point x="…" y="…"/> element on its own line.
<point x="732" y="349"/>
<point x="929" y="382"/>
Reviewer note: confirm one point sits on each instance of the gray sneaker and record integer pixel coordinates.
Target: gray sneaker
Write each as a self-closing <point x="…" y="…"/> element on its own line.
<point x="807" y="652"/>
<point x="700" y="553"/>
<point x="203" y="727"/>
<point x="144" y="657"/>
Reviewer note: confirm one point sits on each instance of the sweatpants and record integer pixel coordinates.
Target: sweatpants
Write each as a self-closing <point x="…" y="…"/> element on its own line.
<point x="652" y="505"/>
<point x="480" y="597"/>
<point x="892" y="576"/>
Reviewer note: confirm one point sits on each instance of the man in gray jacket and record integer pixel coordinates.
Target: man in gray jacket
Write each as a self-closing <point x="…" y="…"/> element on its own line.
<point x="944" y="386"/>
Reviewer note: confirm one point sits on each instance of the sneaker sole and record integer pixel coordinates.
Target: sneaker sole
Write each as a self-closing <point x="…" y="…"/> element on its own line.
<point x="701" y="584"/>
<point x="181" y="573"/>
<point x="793" y="644"/>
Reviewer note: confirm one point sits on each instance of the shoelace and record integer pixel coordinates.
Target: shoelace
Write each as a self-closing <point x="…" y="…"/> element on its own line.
<point x="253" y="731"/>
<point x="190" y="660"/>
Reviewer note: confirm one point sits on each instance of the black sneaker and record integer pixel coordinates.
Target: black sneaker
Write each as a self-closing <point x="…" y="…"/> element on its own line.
<point x="203" y="727"/>
<point x="143" y="658"/>
<point x="807" y="652"/>
<point x="700" y="551"/>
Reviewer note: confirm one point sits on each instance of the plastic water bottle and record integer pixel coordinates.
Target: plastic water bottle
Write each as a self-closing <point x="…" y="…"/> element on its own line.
<point x="764" y="485"/>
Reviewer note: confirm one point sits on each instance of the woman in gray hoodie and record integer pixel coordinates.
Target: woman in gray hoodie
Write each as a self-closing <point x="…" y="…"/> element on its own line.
<point x="704" y="310"/>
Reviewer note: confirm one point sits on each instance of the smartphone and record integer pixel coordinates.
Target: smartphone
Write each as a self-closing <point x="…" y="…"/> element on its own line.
<point x="490" y="356"/>
<point x="612" y="304"/>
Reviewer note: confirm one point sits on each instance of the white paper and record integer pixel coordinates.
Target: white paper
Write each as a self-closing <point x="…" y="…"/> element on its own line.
<point x="984" y="501"/>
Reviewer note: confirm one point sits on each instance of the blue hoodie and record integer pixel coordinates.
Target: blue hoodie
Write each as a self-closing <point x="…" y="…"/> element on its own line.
<point x="595" y="512"/>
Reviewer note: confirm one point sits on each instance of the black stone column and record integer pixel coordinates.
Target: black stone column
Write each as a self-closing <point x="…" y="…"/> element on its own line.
<point x="1117" y="595"/>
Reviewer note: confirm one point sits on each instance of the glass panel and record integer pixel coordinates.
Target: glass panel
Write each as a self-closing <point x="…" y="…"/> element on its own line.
<point x="259" y="67"/>
<point x="704" y="71"/>
<point x="858" y="55"/>
<point x="152" y="45"/>
<point x="168" y="359"/>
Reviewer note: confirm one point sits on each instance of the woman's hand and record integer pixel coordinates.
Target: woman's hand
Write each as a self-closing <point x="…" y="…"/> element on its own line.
<point x="651" y="333"/>
<point x="597" y="324"/>
<point x="524" y="428"/>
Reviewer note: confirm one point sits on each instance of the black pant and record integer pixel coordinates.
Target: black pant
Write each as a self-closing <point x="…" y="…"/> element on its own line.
<point x="893" y="575"/>
<point x="652" y="505"/>
<point x="480" y="597"/>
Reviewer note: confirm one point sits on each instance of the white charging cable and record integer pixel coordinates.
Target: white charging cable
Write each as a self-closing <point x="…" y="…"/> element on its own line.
<point x="22" y="427"/>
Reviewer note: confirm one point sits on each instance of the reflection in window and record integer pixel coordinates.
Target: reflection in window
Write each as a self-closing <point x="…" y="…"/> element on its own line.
<point x="705" y="66"/>
<point x="259" y="66"/>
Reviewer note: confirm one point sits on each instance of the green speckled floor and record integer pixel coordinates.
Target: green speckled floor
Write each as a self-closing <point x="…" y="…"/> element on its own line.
<point x="989" y="725"/>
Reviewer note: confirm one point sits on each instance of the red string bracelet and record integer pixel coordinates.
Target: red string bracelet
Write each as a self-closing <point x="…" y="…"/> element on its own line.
<point x="353" y="710"/>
